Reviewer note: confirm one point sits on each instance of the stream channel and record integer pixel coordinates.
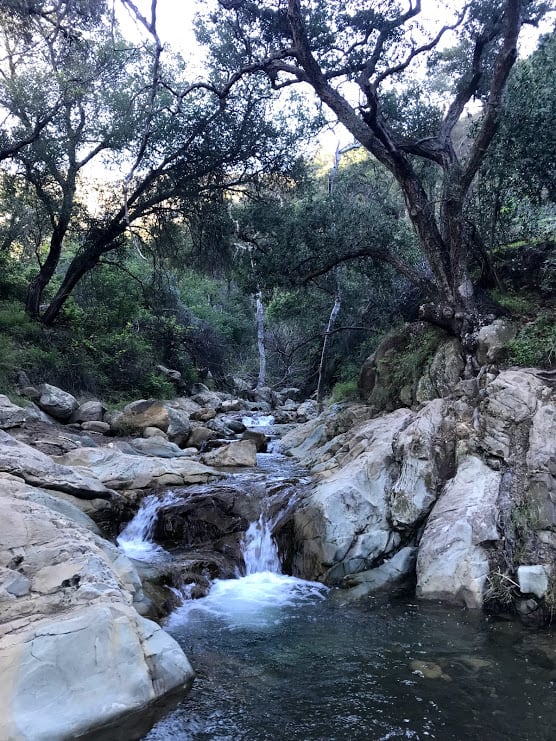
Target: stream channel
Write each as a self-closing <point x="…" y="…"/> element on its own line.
<point x="277" y="657"/>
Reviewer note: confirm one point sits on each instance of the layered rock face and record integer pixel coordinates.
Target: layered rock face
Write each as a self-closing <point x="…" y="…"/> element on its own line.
<point x="469" y="480"/>
<point x="74" y="651"/>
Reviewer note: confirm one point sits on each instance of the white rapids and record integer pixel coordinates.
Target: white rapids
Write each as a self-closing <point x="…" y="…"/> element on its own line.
<point x="135" y="540"/>
<point x="257" y="599"/>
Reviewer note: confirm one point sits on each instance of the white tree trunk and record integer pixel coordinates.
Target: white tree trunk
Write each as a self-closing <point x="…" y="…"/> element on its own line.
<point x="331" y="321"/>
<point x="261" y="340"/>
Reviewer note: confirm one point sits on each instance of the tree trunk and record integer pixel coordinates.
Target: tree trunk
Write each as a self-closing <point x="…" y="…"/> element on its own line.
<point x="331" y="320"/>
<point x="261" y="340"/>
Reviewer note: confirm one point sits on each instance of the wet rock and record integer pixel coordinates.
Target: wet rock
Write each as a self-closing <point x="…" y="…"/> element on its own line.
<point x="391" y="573"/>
<point x="429" y="670"/>
<point x="259" y="438"/>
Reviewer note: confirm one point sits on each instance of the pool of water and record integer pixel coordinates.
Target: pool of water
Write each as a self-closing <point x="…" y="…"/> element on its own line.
<point x="302" y="666"/>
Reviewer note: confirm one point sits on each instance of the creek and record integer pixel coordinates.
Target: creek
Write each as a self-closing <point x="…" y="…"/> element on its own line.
<point x="278" y="657"/>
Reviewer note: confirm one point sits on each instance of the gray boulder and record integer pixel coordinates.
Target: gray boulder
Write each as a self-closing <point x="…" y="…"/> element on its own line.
<point x="179" y="426"/>
<point x="89" y="411"/>
<point x="39" y="469"/>
<point x="10" y="414"/>
<point x="74" y="652"/>
<point x="241" y="453"/>
<point x="59" y="404"/>
<point x="453" y="562"/>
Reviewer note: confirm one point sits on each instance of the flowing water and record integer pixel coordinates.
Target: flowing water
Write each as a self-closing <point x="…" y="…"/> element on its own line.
<point x="277" y="657"/>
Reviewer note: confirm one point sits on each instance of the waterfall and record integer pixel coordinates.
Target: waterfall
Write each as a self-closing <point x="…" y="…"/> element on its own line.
<point x="136" y="538"/>
<point x="258" y="548"/>
<point x="258" y="420"/>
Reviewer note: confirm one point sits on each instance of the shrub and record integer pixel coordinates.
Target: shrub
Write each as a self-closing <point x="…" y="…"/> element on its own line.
<point x="535" y="344"/>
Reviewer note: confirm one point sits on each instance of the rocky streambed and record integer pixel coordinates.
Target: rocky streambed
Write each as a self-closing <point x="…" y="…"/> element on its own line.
<point x="448" y="494"/>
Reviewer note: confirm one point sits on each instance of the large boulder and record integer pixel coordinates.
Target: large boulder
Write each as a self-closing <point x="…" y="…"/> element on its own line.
<point x="123" y="471"/>
<point x="425" y="451"/>
<point x="138" y="415"/>
<point x="343" y="526"/>
<point x="453" y="559"/>
<point x="240" y="453"/>
<point x="179" y="427"/>
<point x="39" y="469"/>
<point x="57" y="403"/>
<point x="89" y="411"/>
<point x="74" y="652"/>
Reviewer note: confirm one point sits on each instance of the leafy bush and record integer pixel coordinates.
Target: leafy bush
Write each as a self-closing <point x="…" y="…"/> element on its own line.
<point x="535" y="344"/>
<point x="345" y="390"/>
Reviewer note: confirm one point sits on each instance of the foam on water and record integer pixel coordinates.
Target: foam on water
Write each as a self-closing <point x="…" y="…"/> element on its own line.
<point x="253" y="601"/>
<point x="259" y="598"/>
<point x="135" y="540"/>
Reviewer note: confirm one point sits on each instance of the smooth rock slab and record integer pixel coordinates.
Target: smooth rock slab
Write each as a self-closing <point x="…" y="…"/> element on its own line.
<point x="74" y="652"/>
<point x="39" y="469"/>
<point x="123" y="471"/>
<point x="452" y="564"/>
<point x="65" y="676"/>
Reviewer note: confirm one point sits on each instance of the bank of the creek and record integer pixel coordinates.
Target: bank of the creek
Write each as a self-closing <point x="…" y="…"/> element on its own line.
<point x="277" y="657"/>
<point x="141" y="563"/>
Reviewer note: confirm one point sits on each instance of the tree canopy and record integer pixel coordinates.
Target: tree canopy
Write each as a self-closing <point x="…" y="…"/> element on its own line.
<point x="357" y="57"/>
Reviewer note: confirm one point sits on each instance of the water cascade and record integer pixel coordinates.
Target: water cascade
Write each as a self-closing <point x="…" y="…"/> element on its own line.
<point x="135" y="540"/>
<point x="257" y="599"/>
<point x="276" y="660"/>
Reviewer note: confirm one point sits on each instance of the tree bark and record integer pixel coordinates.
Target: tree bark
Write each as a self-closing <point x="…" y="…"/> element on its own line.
<point x="261" y="340"/>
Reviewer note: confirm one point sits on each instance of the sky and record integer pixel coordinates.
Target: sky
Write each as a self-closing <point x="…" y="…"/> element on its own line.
<point x="175" y="26"/>
<point x="175" y="21"/>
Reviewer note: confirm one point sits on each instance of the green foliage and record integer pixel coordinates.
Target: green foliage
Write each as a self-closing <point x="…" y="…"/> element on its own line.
<point x="345" y="390"/>
<point x="535" y="344"/>
<point x="518" y="304"/>
<point x="401" y="359"/>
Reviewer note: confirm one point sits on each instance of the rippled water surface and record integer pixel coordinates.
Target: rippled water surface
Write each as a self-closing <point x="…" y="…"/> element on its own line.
<point x="317" y="669"/>
<point x="280" y="658"/>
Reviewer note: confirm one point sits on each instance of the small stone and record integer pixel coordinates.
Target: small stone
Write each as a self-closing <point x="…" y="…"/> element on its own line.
<point x="96" y="426"/>
<point x="533" y="579"/>
<point x="154" y="432"/>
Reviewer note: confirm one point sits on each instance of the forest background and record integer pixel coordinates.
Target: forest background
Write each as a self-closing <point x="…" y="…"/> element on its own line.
<point x="153" y="209"/>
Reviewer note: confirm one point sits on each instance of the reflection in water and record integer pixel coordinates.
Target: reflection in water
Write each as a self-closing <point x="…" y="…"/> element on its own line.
<point x="324" y="671"/>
